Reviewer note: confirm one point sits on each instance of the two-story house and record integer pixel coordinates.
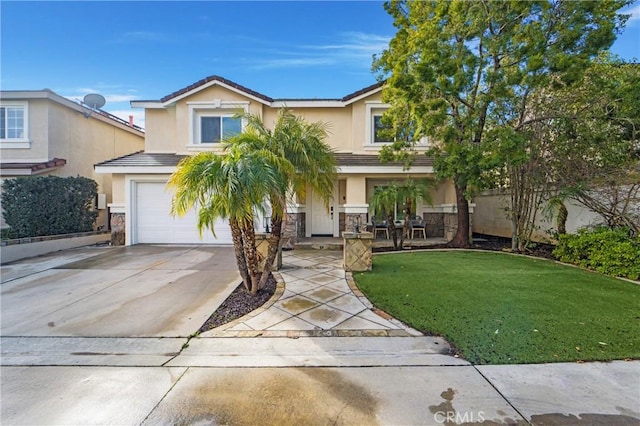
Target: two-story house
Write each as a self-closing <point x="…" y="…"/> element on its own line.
<point x="43" y="133"/>
<point x="199" y="116"/>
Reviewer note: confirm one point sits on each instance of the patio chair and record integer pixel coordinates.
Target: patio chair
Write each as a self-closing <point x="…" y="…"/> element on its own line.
<point x="417" y="225"/>
<point x="379" y="226"/>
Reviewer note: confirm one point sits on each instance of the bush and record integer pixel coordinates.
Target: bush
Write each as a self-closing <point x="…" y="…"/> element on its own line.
<point x="609" y="251"/>
<point x="48" y="205"/>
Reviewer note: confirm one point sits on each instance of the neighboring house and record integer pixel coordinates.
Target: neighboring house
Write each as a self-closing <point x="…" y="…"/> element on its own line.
<point x="197" y="117"/>
<point x="42" y="133"/>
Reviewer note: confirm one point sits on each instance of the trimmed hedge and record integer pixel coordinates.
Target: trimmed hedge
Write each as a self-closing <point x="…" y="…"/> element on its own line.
<point x="609" y="251"/>
<point x="48" y="205"/>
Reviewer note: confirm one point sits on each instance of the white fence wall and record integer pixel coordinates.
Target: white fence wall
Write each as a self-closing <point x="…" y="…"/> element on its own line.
<point x="489" y="217"/>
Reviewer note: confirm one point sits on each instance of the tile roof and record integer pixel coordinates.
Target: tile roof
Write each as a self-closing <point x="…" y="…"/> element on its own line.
<point x="141" y="158"/>
<point x="374" y="160"/>
<point x="215" y="78"/>
<point x="363" y="91"/>
<point x="34" y="167"/>
<point x="260" y="95"/>
<point x="145" y="159"/>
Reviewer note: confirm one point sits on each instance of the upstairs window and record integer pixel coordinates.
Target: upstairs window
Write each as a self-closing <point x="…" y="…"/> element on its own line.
<point x="12" y="122"/>
<point x="211" y="122"/>
<point x="214" y="128"/>
<point x="378" y="133"/>
<point x="380" y="130"/>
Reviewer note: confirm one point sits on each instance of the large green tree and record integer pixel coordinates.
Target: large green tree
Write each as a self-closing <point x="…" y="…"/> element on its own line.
<point x="590" y="139"/>
<point x="302" y="159"/>
<point x="457" y="68"/>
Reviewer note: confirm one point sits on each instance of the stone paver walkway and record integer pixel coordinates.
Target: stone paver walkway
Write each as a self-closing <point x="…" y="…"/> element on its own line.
<point x="315" y="297"/>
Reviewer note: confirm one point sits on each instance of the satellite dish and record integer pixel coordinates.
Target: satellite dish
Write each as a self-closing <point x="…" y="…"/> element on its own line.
<point x="93" y="101"/>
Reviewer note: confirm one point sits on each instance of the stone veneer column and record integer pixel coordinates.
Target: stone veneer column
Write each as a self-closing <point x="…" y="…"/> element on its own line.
<point x="118" y="223"/>
<point x="450" y="225"/>
<point x="351" y="219"/>
<point x="357" y="251"/>
<point x="293" y="230"/>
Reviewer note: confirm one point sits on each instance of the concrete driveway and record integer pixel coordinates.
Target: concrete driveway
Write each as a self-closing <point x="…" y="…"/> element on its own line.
<point x="139" y="291"/>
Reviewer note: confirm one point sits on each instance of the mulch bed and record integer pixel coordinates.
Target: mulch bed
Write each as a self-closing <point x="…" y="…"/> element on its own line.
<point x="240" y="302"/>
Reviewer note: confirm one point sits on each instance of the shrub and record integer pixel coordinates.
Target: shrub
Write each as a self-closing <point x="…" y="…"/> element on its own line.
<point x="48" y="205"/>
<point x="609" y="251"/>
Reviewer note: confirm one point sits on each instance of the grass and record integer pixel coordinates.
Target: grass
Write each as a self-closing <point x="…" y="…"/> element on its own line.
<point x="497" y="308"/>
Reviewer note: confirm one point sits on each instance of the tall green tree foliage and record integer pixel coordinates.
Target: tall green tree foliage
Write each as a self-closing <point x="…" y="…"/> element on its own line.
<point x="593" y="155"/>
<point x="459" y="68"/>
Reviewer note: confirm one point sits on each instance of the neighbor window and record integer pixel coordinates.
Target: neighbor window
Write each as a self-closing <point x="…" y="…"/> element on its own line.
<point x="214" y="128"/>
<point x="12" y="122"/>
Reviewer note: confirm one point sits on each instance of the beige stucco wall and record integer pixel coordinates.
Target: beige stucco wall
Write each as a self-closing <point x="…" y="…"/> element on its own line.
<point x="359" y="125"/>
<point x="160" y="130"/>
<point x="338" y="122"/>
<point x="38" y="123"/>
<point x="167" y="130"/>
<point x="59" y="131"/>
<point x="118" y="195"/>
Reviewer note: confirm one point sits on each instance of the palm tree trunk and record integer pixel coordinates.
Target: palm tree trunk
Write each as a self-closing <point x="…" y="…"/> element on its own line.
<point x="407" y="219"/>
<point x="238" y="248"/>
<point x="251" y="255"/>
<point x="391" y="226"/>
<point x="274" y="246"/>
<point x="561" y="221"/>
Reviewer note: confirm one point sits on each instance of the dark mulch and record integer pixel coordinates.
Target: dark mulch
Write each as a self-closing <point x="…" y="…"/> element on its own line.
<point x="238" y="304"/>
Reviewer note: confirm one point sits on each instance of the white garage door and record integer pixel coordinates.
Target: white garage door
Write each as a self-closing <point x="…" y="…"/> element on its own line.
<point x="155" y="224"/>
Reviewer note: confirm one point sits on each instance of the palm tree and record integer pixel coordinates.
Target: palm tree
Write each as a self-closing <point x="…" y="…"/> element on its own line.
<point x="232" y="186"/>
<point x="385" y="199"/>
<point x="303" y="158"/>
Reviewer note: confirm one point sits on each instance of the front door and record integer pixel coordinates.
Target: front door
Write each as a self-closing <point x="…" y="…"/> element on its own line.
<point x="322" y="218"/>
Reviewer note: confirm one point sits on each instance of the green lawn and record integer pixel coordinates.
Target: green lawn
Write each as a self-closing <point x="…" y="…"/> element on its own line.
<point x="502" y="309"/>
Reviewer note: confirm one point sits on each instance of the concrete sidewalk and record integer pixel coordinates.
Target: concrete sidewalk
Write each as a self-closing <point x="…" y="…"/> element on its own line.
<point x="347" y="364"/>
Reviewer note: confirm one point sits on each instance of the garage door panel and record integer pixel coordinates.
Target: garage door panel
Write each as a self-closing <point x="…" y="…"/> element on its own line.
<point x="155" y="224"/>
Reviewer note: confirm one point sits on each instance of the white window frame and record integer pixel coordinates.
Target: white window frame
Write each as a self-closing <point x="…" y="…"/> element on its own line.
<point x="23" y="141"/>
<point x="215" y="108"/>
<point x="373" y="109"/>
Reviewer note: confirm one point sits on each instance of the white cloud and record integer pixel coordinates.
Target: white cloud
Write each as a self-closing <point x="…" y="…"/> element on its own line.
<point x="122" y="95"/>
<point x="290" y="62"/>
<point x="353" y="48"/>
<point x="357" y="43"/>
<point x="634" y="11"/>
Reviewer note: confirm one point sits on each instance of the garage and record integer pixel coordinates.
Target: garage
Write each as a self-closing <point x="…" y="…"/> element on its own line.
<point x="154" y="223"/>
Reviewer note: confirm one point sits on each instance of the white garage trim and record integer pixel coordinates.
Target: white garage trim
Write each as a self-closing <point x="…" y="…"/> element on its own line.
<point x="147" y="195"/>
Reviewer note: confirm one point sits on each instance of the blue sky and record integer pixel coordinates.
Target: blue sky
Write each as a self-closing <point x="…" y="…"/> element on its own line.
<point x="145" y="50"/>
